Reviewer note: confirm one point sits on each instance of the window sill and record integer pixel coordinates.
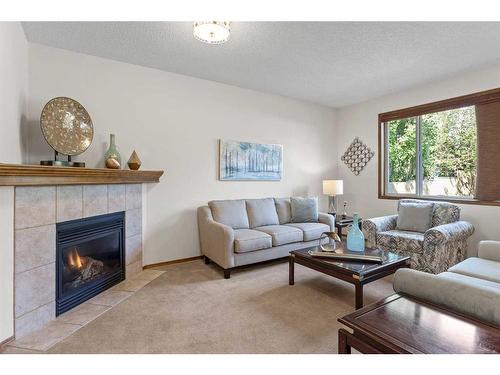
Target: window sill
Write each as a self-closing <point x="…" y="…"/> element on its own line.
<point x="443" y="199"/>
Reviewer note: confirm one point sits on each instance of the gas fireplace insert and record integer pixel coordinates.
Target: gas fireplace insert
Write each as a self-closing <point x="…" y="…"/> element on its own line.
<point x="90" y="258"/>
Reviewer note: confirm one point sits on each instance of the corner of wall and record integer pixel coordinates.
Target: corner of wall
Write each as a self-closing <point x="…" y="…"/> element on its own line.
<point x="13" y="109"/>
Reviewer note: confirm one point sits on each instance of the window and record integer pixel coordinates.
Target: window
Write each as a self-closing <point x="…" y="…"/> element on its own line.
<point x="433" y="154"/>
<point x="449" y="155"/>
<point x="402" y="156"/>
<point x="443" y="150"/>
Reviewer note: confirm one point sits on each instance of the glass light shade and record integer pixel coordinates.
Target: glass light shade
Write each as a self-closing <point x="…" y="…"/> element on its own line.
<point x="333" y="187"/>
<point x="212" y="32"/>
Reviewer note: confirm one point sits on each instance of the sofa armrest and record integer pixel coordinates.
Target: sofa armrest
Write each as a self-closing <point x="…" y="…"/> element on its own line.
<point x="466" y="295"/>
<point x="377" y="224"/>
<point x="216" y="239"/>
<point x="489" y="250"/>
<point x="458" y="230"/>
<point x="327" y="219"/>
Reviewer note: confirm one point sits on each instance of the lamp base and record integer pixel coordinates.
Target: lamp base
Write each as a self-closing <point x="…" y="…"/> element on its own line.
<point x="331" y="205"/>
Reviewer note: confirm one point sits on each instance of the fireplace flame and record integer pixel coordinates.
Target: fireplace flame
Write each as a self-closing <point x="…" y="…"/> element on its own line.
<point x="74" y="259"/>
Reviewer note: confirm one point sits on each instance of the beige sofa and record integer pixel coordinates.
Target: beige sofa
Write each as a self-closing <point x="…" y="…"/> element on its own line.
<point x="238" y="232"/>
<point x="471" y="287"/>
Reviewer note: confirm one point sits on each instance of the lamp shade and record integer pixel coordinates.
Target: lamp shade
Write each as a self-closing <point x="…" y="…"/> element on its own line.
<point x="333" y="187"/>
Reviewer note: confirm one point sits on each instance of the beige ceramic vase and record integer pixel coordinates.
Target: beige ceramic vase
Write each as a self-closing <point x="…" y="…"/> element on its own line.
<point x="112" y="163"/>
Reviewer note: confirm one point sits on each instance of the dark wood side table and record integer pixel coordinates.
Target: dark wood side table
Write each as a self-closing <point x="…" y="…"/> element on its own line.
<point x="401" y="324"/>
<point x="343" y="222"/>
<point x="354" y="272"/>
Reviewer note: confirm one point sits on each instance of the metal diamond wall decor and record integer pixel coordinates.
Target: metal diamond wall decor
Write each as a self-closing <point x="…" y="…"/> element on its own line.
<point x="357" y="156"/>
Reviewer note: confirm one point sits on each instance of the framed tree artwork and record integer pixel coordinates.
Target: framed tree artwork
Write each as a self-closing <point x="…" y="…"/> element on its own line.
<point x="246" y="161"/>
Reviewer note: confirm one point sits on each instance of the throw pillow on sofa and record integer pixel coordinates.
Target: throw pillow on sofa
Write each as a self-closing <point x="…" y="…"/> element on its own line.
<point x="230" y="212"/>
<point x="283" y="209"/>
<point x="415" y="217"/>
<point x="304" y="210"/>
<point x="261" y="212"/>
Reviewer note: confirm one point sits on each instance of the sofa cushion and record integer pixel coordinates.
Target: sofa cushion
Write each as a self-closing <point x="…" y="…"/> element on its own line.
<point x="250" y="240"/>
<point x="312" y="231"/>
<point x="489" y="249"/>
<point x="414" y="217"/>
<point x="304" y="210"/>
<point x="282" y="234"/>
<point x="283" y="209"/>
<point x="261" y="212"/>
<point x="412" y="242"/>
<point x="230" y="212"/>
<point x="480" y="268"/>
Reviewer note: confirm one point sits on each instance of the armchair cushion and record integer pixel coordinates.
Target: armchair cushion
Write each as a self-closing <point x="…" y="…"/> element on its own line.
<point x="282" y="234"/>
<point x="232" y="213"/>
<point x="312" y="231"/>
<point x="394" y="240"/>
<point x="261" y="212"/>
<point x="479" y="268"/>
<point x="414" y="217"/>
<point x="250" y="240"/>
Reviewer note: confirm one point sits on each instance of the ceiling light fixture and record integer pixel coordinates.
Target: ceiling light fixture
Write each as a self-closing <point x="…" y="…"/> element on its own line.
<point x="212" y="32"/>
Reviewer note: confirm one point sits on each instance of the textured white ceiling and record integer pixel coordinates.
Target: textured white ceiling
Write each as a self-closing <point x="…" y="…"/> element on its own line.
<point x="330" y="63"/>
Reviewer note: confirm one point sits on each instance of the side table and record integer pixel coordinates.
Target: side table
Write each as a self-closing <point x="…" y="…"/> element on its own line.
<point x="344" y="222"/>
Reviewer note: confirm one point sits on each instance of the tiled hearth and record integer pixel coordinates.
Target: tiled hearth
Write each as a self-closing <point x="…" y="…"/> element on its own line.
<point x="37" y="210"/>
<point x="68" y="323"/>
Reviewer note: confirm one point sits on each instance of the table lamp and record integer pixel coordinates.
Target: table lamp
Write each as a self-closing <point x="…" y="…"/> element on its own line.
<point x="332" y="188"/>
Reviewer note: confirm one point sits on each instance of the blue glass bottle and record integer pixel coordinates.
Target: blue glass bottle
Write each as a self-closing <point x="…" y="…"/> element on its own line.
<point x="355" y="237"/>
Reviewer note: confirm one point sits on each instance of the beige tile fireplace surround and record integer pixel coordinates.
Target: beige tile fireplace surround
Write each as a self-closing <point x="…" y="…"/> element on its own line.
<point x="37" y="209"/>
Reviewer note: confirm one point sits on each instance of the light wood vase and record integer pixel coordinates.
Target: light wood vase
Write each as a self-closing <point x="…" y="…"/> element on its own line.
<point x="134" y="163"/>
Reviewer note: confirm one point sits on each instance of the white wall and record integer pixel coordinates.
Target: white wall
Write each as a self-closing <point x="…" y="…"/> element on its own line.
<point x="361" y="120"/>
<point x="174" y="122"/>
<point x="13" y="93"/>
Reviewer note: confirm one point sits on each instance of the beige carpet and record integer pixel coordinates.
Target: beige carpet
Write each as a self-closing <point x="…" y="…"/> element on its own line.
<point x="192" y="309"/>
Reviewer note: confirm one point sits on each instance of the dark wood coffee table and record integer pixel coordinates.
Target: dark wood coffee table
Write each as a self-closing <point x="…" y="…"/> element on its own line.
<point x="407" y="325"/>
<point x="354" y="272"/>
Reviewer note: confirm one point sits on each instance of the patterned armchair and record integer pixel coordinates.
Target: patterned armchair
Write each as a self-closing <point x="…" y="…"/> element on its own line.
<point x="436" y="250"/>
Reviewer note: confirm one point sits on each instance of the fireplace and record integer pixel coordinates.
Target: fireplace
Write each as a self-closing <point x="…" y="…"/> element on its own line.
<point x="90" y="258"/>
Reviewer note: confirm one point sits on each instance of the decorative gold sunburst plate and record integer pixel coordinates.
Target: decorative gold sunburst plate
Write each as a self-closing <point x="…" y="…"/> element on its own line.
<point x="66" y="126"/>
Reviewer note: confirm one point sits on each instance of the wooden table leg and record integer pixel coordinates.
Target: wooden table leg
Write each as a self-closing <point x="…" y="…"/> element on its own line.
<point x="344" y="347"/>
<point x="358" y="296"/>
<point x="291" y="270"/>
